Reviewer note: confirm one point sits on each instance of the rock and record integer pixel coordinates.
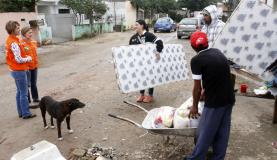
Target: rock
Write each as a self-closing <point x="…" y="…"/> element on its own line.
<point x="101" y="158"/>
<point x="79" y="152"/>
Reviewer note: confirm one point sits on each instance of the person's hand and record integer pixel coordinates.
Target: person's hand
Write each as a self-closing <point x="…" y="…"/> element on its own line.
<point x="194" y="112"/>
<point x="28" y="58"/>
<point x="158" y="56"/>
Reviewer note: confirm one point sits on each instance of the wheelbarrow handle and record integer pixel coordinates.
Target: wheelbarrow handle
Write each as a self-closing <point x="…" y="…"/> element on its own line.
<point x="135" y="105"/>
<point x="125" y="119"/>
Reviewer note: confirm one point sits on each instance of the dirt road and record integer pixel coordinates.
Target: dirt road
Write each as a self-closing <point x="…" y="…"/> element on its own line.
<point x="84" y="70"/>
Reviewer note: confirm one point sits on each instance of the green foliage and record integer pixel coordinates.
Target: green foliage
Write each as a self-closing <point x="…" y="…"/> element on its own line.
<point x="93" y="9"/>
<point x="137" y="3"/>
<point x="90" y="8"/>
<point x="17" y="5"/>
<point x="176" y="17"/>
<point x="195" y="5"/>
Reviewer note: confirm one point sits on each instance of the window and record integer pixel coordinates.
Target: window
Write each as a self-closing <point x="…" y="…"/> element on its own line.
<point x="189" y="21"/>
<point x="64" y="11"/>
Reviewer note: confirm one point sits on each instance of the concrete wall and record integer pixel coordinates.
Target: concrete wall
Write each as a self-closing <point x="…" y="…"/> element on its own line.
<point x="17" y="16"/>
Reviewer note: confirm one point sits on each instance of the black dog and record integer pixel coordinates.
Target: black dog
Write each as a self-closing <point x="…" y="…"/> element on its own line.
<point x="59" y="111"/>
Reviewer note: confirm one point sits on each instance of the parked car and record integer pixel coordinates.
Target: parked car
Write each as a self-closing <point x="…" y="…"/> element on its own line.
<point x="165" y="24"/>
<point x="187" y="26"/>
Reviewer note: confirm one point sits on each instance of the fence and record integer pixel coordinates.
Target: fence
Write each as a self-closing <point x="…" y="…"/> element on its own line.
<point x="78" y="31"/>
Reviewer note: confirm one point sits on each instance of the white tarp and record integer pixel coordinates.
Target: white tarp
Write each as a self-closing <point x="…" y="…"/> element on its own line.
<point x="249" y="38"/>
<point x="137" y="68"/>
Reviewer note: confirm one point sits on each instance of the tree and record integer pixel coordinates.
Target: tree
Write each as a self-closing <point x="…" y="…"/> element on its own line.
<point x="93" y="9"/>
<point x="195" y="5"/>
<point x="18" y="6"/>
<point x="159" y="6"/>
<point x="76" y="6"/>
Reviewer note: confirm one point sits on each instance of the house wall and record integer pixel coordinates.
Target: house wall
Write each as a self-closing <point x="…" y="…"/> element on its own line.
<point x="131" y="15"/>
<point x="48" y="9"/>
<point x="16" y="16"/>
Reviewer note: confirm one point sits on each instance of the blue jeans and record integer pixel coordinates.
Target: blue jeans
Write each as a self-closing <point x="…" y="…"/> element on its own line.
<point x="21" y="83"/>
<point x="214" y="130"/>
<point x="32" y="83"/>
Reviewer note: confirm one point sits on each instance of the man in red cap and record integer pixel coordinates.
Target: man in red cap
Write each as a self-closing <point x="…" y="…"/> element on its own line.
<point x="211" y="68"/>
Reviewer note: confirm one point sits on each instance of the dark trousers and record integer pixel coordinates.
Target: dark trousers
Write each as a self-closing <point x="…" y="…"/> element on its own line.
<point x="214" y="130"/>
<point x="32" y="77"/>
<point x="150" y="91"/>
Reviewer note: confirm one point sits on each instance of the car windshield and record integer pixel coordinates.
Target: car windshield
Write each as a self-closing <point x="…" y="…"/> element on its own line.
<point x="189" y="21"/>
<point x="163" y="20"/>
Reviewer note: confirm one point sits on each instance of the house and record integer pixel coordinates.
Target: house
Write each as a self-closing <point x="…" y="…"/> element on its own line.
<point x="51" y="7"/>
<point x="121" y="12"/>
<point x="57" y="19"/>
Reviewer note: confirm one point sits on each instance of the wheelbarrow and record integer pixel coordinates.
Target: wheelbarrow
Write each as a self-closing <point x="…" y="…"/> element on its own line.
<point x="148" y="121"/>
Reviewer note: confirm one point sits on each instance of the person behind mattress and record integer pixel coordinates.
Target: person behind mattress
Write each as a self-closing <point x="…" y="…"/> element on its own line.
<point x="143" y="36"/>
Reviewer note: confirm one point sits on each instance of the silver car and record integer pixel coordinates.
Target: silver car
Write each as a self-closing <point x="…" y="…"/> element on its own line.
<point x="187" y="26"/>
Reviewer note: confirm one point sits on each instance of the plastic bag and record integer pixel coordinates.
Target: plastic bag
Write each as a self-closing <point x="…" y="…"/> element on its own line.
<point x="181" y="117"/>
<point x="164" y="118"/>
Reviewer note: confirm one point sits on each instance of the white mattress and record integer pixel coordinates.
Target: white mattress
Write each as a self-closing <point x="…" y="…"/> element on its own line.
<point x="137" y="68"/>
<point x="250" y="37"/>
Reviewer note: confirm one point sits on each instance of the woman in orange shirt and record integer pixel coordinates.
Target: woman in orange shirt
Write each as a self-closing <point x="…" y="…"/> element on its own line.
<point x="30" y="48"/>
<point x="17" y="62"/>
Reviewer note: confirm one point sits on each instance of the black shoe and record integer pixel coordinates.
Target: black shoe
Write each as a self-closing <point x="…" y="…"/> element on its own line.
<point x="36" y="101"/>
<point x="185" y="158"/>
<point x="34" y="106"/>
<point x="20" y="116"/>
<point x="30" y="116"/>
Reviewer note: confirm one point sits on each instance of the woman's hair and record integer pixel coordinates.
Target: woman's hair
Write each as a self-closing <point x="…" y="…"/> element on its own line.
<point x="143" y="23"/>
<point x="24" y="30"/>
<point x="11" y="26"/>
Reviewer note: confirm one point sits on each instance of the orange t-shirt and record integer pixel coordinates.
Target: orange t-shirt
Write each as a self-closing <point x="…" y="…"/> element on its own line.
<point x="10" y="58"/>
<point x="30" y="49"/>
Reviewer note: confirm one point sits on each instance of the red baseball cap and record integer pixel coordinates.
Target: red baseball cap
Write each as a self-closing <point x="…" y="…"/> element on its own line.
<point x="198" y="39"/>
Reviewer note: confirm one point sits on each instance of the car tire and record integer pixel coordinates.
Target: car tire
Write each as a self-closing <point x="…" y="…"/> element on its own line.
<point x="168" y="31"/>
<point x="155" y="31"/>
<point x="179" y="37"/>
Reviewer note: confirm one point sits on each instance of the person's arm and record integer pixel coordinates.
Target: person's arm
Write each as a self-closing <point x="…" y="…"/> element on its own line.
<point x="152" y="38"/>
<point x="196" y="93"/>
<point x="17" y="54"/>
<point x="159" y="44"/>
<point x="197" y="88"/>
<point x="130" y="41"/>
